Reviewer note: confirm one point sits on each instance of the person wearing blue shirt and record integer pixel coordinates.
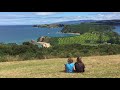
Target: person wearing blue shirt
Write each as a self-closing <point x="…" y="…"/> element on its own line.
<point x="69" y="67"/>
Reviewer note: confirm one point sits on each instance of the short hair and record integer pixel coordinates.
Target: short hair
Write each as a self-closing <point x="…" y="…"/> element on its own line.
<point x="70" y="60"/>
<point x="79" y="59"/>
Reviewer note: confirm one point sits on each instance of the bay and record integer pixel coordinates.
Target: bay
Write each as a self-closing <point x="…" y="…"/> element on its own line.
<point x="21" y="33"/>
<point x="117" y="29"/>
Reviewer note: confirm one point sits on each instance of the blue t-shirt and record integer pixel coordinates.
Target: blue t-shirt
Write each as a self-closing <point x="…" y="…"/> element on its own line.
<point x="69" y="67"/>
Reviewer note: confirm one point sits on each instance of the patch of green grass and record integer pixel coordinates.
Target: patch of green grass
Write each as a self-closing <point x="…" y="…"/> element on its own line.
<point x="86" y="38"/>
<point x="96" y="67"/>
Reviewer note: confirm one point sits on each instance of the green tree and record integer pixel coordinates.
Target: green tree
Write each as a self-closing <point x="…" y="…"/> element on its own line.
<point x="100" y="39"/>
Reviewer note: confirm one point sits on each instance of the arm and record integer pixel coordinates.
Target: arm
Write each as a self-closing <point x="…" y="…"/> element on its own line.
<point x="74" y="67"/>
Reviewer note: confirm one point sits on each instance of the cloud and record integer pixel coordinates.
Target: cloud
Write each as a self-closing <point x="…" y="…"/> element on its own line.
<point x="107" y="16"/>
<point x="65" y="18"/>
<point x="98" y="16"/>
<point x="45" y="13"/>
<point x="95" y="16"/>
<point x="7" y="16"/>
<point x="51" y="17"/>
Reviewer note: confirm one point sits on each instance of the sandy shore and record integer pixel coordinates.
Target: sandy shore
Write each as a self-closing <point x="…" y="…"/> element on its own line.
<point x="74" y="33"/>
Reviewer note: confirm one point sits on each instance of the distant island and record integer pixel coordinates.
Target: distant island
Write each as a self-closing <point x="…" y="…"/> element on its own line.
<point x="49" y="25"/>
<point x="108" y="22"/>
<point x="62" y="24"/>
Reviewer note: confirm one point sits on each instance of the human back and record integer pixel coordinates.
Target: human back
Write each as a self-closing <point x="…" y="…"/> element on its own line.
<point x="69" y="67"/>
<point x="79" y="65"/>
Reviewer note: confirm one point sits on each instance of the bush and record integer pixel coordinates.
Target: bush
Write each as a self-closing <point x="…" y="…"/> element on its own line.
<point x="28" y="56"/>
<point x="85" y="51"/>
<point x="9" y="58"/>
<point x="29" y="52"/>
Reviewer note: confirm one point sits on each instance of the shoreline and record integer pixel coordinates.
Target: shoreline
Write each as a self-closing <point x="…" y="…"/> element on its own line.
<point x="73" y="33"/>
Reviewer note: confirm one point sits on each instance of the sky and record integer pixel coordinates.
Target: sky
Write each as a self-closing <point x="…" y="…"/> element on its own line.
<point x="32" y="18"/>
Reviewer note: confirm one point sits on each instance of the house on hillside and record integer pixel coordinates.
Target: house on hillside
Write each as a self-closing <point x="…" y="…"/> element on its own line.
<point x="44" y="44"/>
<point x="41" y="44"/>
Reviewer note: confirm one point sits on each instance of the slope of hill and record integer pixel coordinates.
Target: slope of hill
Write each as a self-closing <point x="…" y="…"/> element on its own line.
<point x="96" y="67"/>
<point x="61" y="24"/>
<point x="76" y="22"/>
<point x="109" y="22"/>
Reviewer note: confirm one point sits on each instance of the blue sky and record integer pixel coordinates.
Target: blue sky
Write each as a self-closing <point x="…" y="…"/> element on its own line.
<point x="31" y="18"/>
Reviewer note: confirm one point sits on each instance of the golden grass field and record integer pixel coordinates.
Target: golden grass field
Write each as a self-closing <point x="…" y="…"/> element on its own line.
<point x="96" y="67"/>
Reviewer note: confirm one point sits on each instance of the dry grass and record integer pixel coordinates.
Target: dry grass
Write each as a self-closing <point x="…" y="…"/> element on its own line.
<point x="96" y="67"/>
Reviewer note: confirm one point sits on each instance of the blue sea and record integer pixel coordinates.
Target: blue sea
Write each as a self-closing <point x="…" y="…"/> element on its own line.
<point x="21" y="33"/>
<point x="117" y="29"/>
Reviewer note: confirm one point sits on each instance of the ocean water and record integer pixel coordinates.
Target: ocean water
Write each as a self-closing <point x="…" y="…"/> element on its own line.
<point x="21" y="33"/>
<point x="117" y="29"/>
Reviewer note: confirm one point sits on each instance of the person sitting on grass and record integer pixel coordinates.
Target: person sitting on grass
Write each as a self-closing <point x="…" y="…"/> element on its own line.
<point x="69" y="67"/>
<point x="79" y="65"/>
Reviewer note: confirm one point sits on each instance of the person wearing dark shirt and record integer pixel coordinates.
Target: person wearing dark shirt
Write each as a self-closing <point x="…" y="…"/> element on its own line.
<point x="79" y="65"/>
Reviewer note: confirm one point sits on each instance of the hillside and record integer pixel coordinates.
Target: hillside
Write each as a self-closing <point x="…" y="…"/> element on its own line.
<point x="60" y="24"/>
<point x="49" y="26"/>
<point x="87" y="27"/>
<point x="109" y="22"/>
<point x="96" y="67"/>
<point x="105" y="22"/>
<point x="75" y="22"/>
<point x="86" y="38"/>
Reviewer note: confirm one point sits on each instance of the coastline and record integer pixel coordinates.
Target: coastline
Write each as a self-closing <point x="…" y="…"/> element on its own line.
<point x="73" y="33"/>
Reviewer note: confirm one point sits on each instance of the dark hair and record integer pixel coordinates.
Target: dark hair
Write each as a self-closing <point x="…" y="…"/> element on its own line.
<point x="70" y="60"/>
<point x="79" y="60"/>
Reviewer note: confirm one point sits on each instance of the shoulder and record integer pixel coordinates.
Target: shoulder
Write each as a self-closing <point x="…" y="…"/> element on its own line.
<point x="76" y="62"/>
<point x="72" y="63"/>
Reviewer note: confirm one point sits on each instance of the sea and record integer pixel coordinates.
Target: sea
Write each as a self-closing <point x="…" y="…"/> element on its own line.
<point x="21" y="33"/>
<point x="117" y="29"/>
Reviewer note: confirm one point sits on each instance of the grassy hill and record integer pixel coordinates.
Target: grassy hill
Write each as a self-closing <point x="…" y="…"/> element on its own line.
<point x="96" y="67"/>
<point x="86" y="38"/>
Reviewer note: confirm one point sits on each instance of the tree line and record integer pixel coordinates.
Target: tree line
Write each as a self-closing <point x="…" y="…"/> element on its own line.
<point x="28" y="51"/>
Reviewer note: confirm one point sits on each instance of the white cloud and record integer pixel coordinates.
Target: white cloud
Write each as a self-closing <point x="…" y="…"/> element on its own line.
<point x="107" y="16"/>
<point x="45" y="13"/>
<point x="103" y="16"/>
<point x="51" y="17"/>
<point x="116" y="12"/>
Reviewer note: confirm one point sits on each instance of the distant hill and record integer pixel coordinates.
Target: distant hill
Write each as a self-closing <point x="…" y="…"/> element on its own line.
<point x="61" y="24"/>
<point x="109" y="22"/>
<point x="75" y="22"/>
